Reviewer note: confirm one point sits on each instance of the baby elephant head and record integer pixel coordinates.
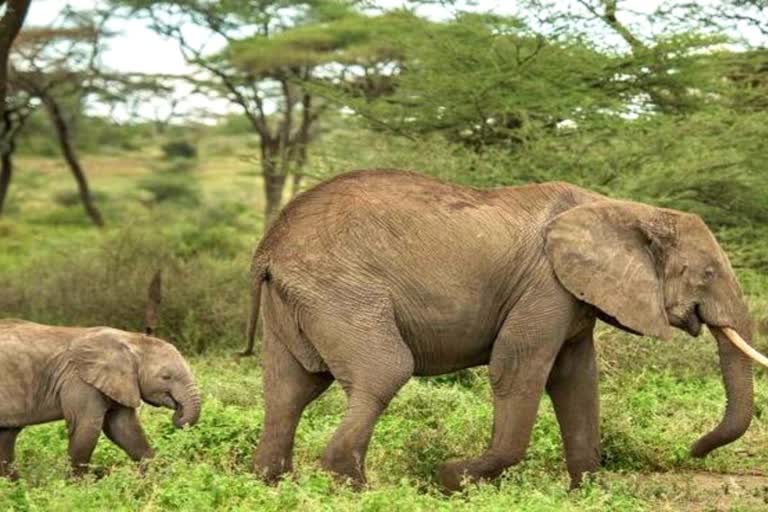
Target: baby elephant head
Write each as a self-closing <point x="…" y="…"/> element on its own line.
<point x="130" y="367"/>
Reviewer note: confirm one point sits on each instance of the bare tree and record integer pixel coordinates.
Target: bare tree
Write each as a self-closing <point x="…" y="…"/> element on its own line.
<point x="266" y="66"/>
<point x="10" y="24"/>
<point x="284" y="133"/>
<point x="13" y="118"/>
<point x="53" y="63"/>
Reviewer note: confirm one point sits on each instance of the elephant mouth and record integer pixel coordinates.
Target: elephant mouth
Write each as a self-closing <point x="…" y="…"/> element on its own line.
<point x="172" y="403"/>
<point x="166" y="400"/>
<point x="694" y="321"/>
<point x="690" y="321"/>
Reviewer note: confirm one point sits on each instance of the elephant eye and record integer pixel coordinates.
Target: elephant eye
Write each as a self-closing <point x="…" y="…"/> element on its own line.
<point x="166" y="376"/>
<point x="709" y="273"/>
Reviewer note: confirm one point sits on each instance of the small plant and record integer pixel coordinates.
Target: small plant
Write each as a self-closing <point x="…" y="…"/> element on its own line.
<point x="167" y="187"/>
<point x="179" y="149"/>
<point x="69" y="198"/>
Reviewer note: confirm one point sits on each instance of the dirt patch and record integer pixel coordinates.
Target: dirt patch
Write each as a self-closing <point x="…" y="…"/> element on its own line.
<point x="702" y="491"/>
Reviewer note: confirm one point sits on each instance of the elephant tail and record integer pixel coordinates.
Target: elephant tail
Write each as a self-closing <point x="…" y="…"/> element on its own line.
<point x="260" y="274"/>
<point x="155" y="298"/>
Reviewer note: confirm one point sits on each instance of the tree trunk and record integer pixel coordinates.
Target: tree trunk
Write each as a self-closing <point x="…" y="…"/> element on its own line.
<point x="68" y="150"/>
<point x="6" y="172"/>
<point x="301" y="142"/>
<point x="10" y="24"/>
<point x="10" y="129"/>
<point x="274" y="181"/>
<point x="296" y="184"/>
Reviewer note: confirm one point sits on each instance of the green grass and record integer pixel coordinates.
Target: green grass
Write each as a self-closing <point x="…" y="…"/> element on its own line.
<point x="650" y="416"/>
<point x="657" y="397"/>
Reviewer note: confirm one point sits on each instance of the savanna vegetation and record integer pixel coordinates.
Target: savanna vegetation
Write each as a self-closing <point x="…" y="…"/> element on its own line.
<point x="668" y="106"/>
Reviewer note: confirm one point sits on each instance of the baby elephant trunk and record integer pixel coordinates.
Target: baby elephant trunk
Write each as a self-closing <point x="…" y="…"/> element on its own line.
<point x="187" y="406"/>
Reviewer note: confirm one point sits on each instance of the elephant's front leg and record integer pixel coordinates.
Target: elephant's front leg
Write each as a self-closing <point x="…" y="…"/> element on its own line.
<point x="83" y="436"/>
<point x="7" y="452"/>
<point x="522" y="357"/>
<point x="84" y="409"/>
<point x="122" y="427"/>
<point x="572" y="385"/>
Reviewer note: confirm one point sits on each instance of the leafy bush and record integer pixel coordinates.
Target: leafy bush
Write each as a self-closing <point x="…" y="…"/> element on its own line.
<point x="68" y="198"/>
<point x="170" y="187"/>
<point x="180" y="166"/>
<point x="66" y="216"/>
<point x="204" y="299"/>
<point x="179" y="149"/>
<point x="205" y="235"/>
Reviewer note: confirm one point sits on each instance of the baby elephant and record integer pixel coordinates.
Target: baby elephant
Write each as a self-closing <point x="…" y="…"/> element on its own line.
<point x="94" y="378"/>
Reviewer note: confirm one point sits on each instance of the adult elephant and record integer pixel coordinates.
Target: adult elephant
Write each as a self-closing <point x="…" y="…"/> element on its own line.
<point x="375" y="276"/>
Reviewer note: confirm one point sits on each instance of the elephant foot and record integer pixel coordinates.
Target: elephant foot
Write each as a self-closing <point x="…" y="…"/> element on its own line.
<point x="271" y="472"/>
<point x="9" y="472"/>
<point x="79" y="471"/>
<point x="454" y="474"/>
<point x="143" y="467"/>
<point x="245" y="353"/>
<point x="86" y="470"/>
<point x="346" y="470"/>
<point x="582" y="472"/>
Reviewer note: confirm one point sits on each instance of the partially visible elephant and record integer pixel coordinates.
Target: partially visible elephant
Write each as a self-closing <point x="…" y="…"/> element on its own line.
<point x="376" y="276"/>
<point x="94" y="378"/>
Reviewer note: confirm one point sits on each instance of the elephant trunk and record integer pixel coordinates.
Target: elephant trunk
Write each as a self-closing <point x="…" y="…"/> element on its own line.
<point x="736" y="367"/>
<point x="188" y="406"/>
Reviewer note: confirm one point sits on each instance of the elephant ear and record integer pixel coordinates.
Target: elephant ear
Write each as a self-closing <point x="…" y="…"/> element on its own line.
<point x="106" y="363"/>
<point x="610" y="254"/>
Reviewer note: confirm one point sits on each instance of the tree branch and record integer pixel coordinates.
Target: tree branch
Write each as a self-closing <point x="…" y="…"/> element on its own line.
<point x="608" y="16"/>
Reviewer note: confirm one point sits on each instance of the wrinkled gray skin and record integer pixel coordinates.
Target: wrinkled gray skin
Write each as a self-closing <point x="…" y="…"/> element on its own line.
<point x="376" y="276"/>
<point x="94" y="378"/>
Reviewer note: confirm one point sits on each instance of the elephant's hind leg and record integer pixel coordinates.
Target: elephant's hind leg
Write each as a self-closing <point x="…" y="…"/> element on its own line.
<point x="371" y="362"/>
<point x="288" y="389"/>
<point x="572" y="385"/>
<point x="7" y="452"/>
<point x="522" y="357"/>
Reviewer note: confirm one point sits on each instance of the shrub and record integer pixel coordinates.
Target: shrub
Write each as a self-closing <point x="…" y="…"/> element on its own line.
<point x="69" y="198"/>
<point x="168" y="187"/>
<point x="179" y="149"/>
<point x="204" y="300"/>
<point x="66" y="216"/>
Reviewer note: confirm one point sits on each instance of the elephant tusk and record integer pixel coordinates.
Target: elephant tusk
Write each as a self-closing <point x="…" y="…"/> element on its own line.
<point x="745" y="347"/>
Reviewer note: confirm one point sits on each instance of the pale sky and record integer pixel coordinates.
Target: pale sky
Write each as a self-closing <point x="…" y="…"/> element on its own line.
<point x="136" y="48"/>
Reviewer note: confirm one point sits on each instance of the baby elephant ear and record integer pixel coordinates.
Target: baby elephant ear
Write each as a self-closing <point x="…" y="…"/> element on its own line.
<point x="607" y="254"/>
<point x="106" y="363"/>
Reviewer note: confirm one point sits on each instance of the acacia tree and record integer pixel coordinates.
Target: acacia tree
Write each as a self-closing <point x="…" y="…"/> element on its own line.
<point x="12" y="116"/>
<point x="594" y="96"/>
<point x="17" y="109"/>
<point x="10" y="24"/>
<point x="484" y="80"/>
<point x="54" y="67"/>
<point x="273" y="51"/>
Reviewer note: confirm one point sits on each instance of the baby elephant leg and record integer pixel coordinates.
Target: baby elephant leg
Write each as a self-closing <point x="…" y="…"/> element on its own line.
<point x="123" y="428"/>
<point x="84" y="409"/>
<point x="7" y="452"/>
<point x="83" y="436"/>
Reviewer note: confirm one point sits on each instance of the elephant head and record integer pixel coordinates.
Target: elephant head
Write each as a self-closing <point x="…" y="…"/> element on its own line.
<point x="130" y="367"/>
<point x="650" y="269"/>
